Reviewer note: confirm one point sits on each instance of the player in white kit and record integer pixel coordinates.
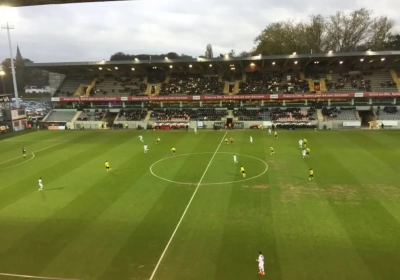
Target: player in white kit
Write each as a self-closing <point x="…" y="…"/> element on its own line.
<point x="260" y="261"/>
<point x="40" y="184"/>
<point x="303" y="152"/>
<point x="269" y="131"/>
<point x="251" y="140"/>
<point x="141" y="138"/>
<point x="195" y="130"/>
<point x="301" y="143"/>
<point x="145" y="148"/>
<point x="235" y="159"/>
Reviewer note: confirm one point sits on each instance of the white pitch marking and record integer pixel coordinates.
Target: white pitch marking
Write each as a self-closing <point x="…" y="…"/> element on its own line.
<point x="186" y="209"/>
<point x="34" y="277"/>
<point x="15" y="140"/>
<point x="33" y="153"/>
<point x="208" y="184"/>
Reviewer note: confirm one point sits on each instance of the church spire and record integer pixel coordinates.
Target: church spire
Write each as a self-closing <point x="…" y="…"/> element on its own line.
<point x="19" y="56"/>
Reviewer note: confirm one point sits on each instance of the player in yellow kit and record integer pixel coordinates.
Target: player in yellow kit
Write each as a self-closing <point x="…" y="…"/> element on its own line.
<point x="276" y="135"/>
<point x="311" y="174"/>
<point x="304" y="143"/>
<point x="271" y="149"/>
<point x="226" y="141"/>
<point x="173" y="150"/>
<point x="308" y="152"/>
<point x="107" y="165"/>
<point x="158" y="141"/>
<point x="243" y="171"/>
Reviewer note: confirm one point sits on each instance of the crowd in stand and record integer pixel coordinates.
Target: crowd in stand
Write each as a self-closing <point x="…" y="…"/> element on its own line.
<point x="296" y="114"/>
<point x="392" y="110"/>
<point x="270" y="82"/>
<point x="132" y="114"/>
<point x="334" y="112"/>
<point x="233" y="76"/>
<point x="181" y="115"/>
<point x="356" y="81"/>
<point x="245" y="114"/>
<point x="123" y="84"/>
<point x="174" y="115"/>
<point x="191" y="84"/>
<point x="211" y="114"/>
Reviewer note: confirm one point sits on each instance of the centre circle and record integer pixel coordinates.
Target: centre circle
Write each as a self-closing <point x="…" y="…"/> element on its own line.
<point x="201" y="183"/>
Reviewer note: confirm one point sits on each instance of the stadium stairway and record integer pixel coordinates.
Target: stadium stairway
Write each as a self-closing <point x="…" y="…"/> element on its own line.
<point x="244" y="77"/>
<point x="90" y="87"/>
<point x="78" y="113"/>
<point x="80" y="91"/>
<point x="311" y="85"/>
<point x="148" y="90"/>
<point x="329" y="77"/>
<point x="322" y="84"/>
<point x="220" y="78"/>
<point x="167" y="78"/>
<point x="158" y="89"/>
<point x="147" y="118"/>
<point x="302" y="76"/>
<point x="395" y="78"/>
<point x="237" y="87"/>
<point x="226" y="88"/>
<point x="319" y="115"/>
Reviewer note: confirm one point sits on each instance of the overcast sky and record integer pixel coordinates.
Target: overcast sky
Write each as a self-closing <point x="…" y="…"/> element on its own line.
<point x="95" y="31"/>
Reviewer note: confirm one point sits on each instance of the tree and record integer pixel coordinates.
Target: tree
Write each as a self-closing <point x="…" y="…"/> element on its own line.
<point x="380" y="33"/>
<point x="393" y="43"/>
<point x="282" y="38"/>
<point x="316" y="35"/>
<point x="341" y="32"/>
<point x="122" y="56"/>
<point x="245" y="54"/>
<point x="23" y="75"/>
<point x="231" y="53"/>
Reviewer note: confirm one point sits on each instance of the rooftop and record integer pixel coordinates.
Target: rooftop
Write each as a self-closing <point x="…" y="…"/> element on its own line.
<point x="390" y="58"/>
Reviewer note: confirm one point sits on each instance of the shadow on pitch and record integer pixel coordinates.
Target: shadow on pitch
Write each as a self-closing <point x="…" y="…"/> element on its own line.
<point x="299" y="178"/>
<point x="55" y="189"/>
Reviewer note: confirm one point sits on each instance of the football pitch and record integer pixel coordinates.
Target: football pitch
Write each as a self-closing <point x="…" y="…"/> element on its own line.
<point x="193" y="215"/>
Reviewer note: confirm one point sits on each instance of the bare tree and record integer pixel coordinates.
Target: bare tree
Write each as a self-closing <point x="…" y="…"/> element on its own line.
<point x="380" y="33"/>
<point x="341" y="32"/>
<point x="316" y="34"/>
<point x="283" y="37"/>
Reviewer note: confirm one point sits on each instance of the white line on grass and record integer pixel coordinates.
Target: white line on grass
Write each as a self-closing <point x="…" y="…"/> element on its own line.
<point x="186" y="209"/>
<point x="34" y="277"/>
<point x="35" y="151"/>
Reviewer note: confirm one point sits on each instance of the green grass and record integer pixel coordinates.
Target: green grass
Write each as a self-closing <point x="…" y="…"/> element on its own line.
<point x="90" y="224"/>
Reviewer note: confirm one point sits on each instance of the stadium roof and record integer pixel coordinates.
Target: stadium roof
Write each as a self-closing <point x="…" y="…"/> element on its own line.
<point x="22" y="3"/>
<point x="300" y="60"/>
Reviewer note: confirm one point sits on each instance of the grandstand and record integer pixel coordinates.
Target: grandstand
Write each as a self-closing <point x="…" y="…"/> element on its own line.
<point x="271" y="82"/>
<point x="71" y="84"/>
<point x="111" y="85"/>
<point x="132" y="115"/>
<point x="388" y="113"/>
<point x="60" y="116"/>
<point x="92" y="115"/>
<point x="342" y="113"/>
<point x="185" y="83"/>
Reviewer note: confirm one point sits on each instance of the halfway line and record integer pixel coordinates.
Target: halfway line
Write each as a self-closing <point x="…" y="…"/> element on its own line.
<point x="187" y="207"/>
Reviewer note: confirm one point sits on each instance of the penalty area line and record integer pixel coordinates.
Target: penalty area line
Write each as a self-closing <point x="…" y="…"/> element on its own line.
<point x="34" y="277"/>
<point x="186" y="209"/>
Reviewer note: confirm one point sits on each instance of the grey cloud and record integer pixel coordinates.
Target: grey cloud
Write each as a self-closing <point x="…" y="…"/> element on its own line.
<point x="82" y="32"/>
